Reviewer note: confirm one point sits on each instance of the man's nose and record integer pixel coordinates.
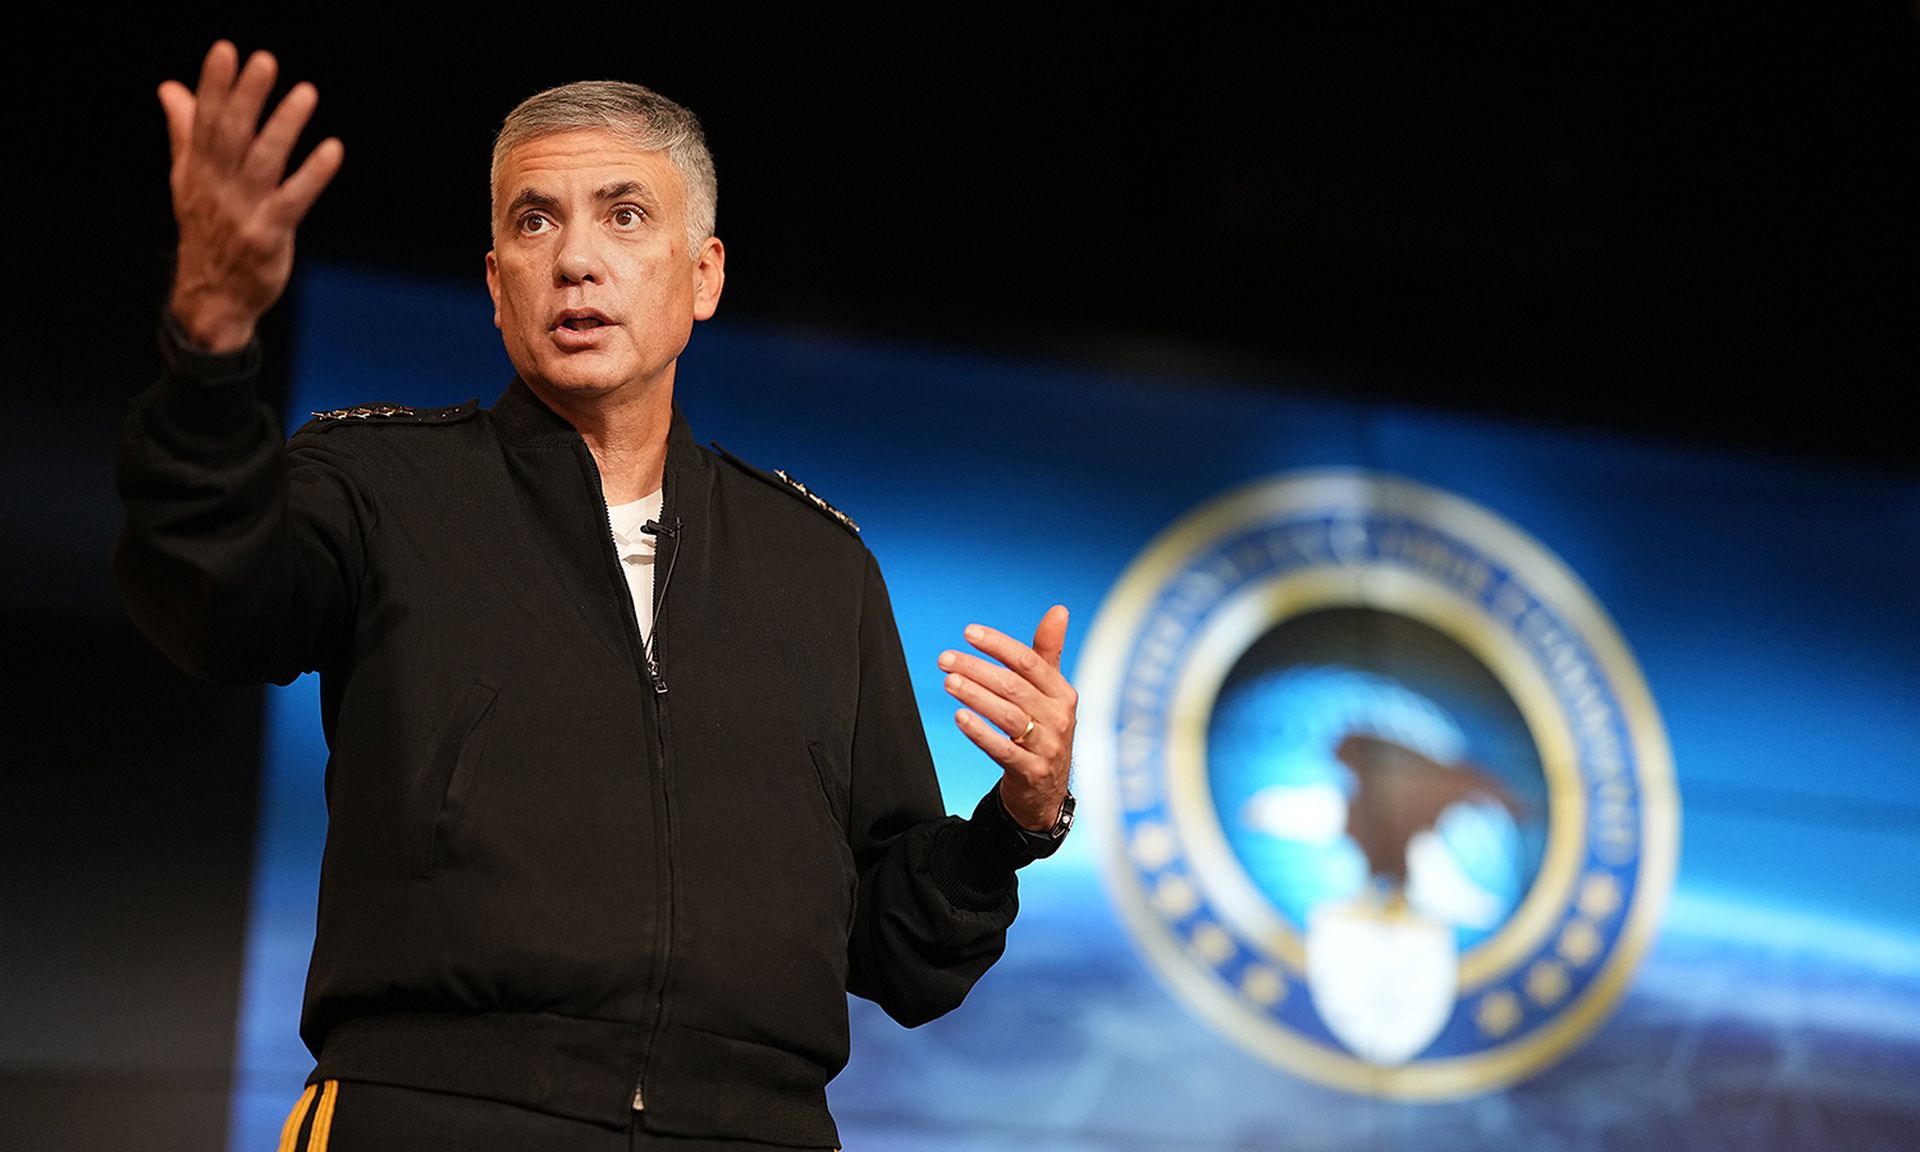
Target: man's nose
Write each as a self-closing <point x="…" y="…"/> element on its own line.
<point x="579" y="260"/>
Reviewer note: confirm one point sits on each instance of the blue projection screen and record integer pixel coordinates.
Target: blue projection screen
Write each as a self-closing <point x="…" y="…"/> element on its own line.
<point x="1652" y="709"/>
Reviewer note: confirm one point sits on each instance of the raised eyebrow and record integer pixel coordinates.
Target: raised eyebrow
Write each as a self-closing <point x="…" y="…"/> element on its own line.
<point x="626" y="190"/>
<point x="532" y="198"/>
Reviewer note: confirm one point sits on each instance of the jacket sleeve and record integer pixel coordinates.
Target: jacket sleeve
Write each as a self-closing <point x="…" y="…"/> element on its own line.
<point x="936" y="892"/>
<point x="238" y="557"/>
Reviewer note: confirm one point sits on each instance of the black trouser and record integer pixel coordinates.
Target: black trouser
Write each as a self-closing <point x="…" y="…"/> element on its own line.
<point x="352" y="1116"/>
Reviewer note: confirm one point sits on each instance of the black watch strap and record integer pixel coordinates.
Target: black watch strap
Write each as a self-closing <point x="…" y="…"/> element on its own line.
<point x="1020" y="844"/>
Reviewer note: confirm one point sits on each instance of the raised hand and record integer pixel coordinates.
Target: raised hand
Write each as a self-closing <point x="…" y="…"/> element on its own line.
<point x="1029" y="714"/>
<point x="236" y="214"/>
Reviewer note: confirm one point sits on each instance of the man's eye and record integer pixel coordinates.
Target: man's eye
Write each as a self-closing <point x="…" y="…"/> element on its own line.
<point x="533" y="223"/>
<point x="627" y="216"/>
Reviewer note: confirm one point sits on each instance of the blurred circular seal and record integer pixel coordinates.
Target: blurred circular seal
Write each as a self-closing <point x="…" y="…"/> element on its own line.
<point x="1382" y="795"/>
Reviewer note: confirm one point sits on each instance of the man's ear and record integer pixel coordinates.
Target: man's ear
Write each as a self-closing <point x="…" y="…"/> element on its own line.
<point x="493" y="285"/>
<point x="709" y="277"/>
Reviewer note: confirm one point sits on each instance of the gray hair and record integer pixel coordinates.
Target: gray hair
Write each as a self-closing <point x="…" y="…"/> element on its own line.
<point x="646" y="119"/>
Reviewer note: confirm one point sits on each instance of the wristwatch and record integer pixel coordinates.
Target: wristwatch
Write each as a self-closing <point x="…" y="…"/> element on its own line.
<point x="1020" y="843"/>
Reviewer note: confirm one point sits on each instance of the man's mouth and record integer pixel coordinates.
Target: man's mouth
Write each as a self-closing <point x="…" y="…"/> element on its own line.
<point x="580" y="320"/>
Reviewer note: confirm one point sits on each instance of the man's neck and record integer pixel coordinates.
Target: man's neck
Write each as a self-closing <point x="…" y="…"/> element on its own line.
<point x="627" y="434"/>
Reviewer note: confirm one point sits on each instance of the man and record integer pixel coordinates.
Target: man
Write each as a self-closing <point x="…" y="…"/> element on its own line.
<point x="605" y="851"/>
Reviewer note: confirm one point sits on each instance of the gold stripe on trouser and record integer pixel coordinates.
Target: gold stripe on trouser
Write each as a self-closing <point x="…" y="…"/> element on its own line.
<point x="292" y="1126"/>
<point x="323" y="1117"/>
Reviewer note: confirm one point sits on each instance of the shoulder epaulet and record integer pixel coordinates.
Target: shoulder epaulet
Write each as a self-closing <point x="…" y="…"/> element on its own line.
<point x="392" y="414"/>
<point x="781" y="480"/>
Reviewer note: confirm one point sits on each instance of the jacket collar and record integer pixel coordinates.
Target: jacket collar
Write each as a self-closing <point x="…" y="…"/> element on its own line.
<point x="524" y="421"/>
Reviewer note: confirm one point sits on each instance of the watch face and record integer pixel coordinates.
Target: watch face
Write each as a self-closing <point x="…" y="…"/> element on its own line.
<point x="1061" y="826"/>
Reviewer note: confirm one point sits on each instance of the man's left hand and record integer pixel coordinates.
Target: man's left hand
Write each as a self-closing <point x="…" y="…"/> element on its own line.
<point x="1028" y="708"/>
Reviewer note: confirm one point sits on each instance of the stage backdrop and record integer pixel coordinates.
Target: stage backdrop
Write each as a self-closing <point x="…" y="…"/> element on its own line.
<point x="1446" y="782"/>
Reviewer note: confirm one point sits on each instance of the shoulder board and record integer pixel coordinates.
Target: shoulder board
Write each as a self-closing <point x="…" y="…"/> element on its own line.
<point x="392" y="414"/>
<point x="781" y="480"/>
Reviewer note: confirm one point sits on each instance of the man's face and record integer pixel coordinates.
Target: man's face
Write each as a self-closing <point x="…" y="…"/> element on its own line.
<point x="593" y="289"/>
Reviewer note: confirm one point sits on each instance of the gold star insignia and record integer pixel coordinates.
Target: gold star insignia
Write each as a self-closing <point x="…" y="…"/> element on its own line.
<point x="815" y="499"/>
<point x="365" y="412"/>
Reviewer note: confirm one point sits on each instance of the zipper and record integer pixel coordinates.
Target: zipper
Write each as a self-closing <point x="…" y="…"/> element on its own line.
<point x="649" y="663"/>
<point x="662" y="735"/>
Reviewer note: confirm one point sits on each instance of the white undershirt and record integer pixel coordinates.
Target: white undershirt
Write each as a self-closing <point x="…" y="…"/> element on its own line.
<point x="636" y="552"/>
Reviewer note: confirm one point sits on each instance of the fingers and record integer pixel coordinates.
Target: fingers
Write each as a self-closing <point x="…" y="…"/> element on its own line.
<point x="267" y="158"/>
<point x="1006" y="715"/>
<point x="177" y="105"/>
<point x="228" y="104"/>
<point x="1025" y="687"/>
<point x="232" y="131"/>
<point x="993" y="742"/>
<point x="309" y="180"/>
<point x="210" y="94"/>
<point x="216" y="71"/>
<point x="241" y="113"/>
<point x="998" y="680"/>
<point x="1051" y="636"/>
<point x="1042" y="672"/>
<point x="216" y="123"/>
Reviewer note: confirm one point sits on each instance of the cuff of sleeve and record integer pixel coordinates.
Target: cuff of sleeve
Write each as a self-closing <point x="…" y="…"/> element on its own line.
<point x="185" y="358"/>
<point x="212" y="392"/>
<point x="973" y="862"/>
<point x="975" y="859"/>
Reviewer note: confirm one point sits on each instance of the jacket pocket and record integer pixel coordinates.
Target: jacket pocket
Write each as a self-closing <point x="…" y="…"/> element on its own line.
<point x="833" y="786"/>
<point x="835" y="800"/>
<point x="444" y="790"/>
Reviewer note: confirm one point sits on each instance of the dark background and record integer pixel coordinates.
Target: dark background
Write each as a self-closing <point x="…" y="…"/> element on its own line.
<point x="1697" y="227"/>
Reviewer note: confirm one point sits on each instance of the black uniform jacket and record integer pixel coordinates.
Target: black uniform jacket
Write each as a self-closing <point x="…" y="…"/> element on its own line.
<point x="556" y="876"/>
